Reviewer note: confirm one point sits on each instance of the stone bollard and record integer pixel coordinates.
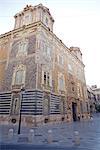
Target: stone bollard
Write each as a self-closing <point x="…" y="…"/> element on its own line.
<point x="76" y="138"/>
<point x="31" y="135"/>
<point x="50" y="137"/>
<point x="91" y="118"/>
<point x="10" y="134"/>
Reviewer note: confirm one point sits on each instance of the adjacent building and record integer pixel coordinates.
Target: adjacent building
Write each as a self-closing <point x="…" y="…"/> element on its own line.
<point x="92" y="99"/>
<point x="40" y="77"/>
<point x="96" y="91"/>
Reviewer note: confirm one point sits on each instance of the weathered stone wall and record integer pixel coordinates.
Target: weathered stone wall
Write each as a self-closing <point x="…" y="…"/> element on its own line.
<point x="4" y="49"/>
<point x="74" y="78"/>
<point x="28" y="61"/>
<point x="30" y="77"/>
<point x="36" y="60"/>
<point x="2" y="74"/>
<point x="32" y="44"/>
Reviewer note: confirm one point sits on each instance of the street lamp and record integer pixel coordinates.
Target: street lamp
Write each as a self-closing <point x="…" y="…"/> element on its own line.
<point x="20" y="114"/>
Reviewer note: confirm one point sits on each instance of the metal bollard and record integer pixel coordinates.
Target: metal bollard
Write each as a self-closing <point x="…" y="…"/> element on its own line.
<point x="31" y="135"/>
<point x="10" y="134"/>
<point x="76" y="138"/>
<point x="50" y="137"/>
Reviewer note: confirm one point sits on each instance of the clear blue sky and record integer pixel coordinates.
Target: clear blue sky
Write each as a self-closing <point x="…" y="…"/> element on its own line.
<point x="77" y="23"/>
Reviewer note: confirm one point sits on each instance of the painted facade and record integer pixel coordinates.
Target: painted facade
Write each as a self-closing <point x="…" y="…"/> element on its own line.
<point x="39" y="75"/>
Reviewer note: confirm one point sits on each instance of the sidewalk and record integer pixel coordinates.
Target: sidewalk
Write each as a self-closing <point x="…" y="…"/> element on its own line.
<point x="62" y="135"/>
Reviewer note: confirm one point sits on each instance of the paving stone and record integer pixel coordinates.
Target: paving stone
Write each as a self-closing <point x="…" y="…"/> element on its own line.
<point x="62" y="134"/>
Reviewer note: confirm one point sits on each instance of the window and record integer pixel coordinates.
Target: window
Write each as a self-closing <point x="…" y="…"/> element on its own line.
<point x="60" y="60"/>
<point x="19" y="77"/>
<point x="79" y="90"/>
<point x="27" y="19"/>
<point x="47" y="51"/>
<point x="46" y="21"/>
<point x="46" y="78"/>
<point x="15" y="106"/>
<point x="61" y="83"/>
<point x="15" y="109"/>
<point x="69" y="67"/>
<point x="22" y="49"/>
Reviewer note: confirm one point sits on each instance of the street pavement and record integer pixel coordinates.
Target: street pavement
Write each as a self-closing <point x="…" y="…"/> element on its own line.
<point x="62" y="136"/>
<point x="38" y="147"/>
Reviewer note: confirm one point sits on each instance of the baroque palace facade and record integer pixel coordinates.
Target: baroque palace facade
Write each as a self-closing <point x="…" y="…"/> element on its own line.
<point x="40" y="78"/>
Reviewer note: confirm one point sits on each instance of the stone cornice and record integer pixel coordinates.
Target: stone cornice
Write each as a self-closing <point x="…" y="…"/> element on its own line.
<point x="20" y="29"/>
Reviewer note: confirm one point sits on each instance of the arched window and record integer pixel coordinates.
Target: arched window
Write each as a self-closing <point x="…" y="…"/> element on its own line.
<point x="19" y="76"/>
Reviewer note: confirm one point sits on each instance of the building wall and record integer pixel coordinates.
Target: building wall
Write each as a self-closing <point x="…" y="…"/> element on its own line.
<point x="91" y="99"/>
<point x="53" y="75"/>
<point x="74" y="79"/>
<point x="27" y="60"/>
<point x="4" y="50"/>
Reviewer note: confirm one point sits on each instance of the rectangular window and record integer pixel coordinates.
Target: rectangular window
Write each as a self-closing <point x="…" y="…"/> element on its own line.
<point x="60" y="60"/>
<point x="15" y="106"/>
<point x="46" y="20"/>
<point x="47" y="51"/>
<point x="70" y="68"/>
<point x="61" y="83"/>
<point x="46" y="78"/>
<point x="22" y="48"/>
<point x="27" y="19"/>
